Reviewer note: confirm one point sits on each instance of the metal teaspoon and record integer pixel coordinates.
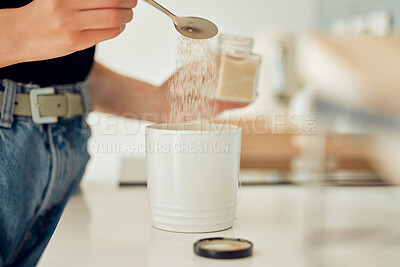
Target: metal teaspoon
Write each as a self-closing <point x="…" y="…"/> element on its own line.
<point x="191" y="27"/>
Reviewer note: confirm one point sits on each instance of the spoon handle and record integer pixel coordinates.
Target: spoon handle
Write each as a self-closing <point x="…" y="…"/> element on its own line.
<point x="162" y="9"/>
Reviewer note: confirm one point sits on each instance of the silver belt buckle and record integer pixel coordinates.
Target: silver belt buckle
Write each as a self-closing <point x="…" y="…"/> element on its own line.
<point x="35" y="105"/>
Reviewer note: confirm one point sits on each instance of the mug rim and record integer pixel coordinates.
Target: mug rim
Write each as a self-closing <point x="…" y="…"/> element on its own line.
<point x="192" y="127"/>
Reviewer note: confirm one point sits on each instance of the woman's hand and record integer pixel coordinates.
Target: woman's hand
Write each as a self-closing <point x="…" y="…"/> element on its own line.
<point x="161" y="103"/>
<point x="47" y="29"/>
<point x="113" y="93"/>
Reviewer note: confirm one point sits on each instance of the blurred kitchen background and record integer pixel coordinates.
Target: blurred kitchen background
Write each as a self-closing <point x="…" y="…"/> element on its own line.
<point x="302" y="79"/>
<point x="146" y="50"/>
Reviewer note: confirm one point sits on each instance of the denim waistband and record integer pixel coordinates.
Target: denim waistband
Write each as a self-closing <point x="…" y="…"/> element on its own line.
<point x="11" y="88"/>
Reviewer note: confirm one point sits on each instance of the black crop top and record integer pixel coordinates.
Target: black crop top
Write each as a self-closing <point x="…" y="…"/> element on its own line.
<point x="63" y="70"/>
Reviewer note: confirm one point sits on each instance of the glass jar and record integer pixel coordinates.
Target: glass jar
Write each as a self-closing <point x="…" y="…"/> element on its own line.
<point x="237" y="69"/>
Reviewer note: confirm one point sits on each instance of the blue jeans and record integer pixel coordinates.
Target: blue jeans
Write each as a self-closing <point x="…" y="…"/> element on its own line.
<point x="40" y="166"/>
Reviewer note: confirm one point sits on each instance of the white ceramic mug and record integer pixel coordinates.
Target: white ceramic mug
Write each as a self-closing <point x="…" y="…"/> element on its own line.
<point x="193" y="172"/>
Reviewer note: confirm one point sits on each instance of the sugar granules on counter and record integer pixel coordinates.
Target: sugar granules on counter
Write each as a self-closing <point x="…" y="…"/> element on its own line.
<point x="191" y="88"/>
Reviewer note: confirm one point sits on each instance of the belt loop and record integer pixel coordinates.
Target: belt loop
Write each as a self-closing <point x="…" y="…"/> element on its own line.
<point x="7" y="109"/>
<point x="83" y="88"/>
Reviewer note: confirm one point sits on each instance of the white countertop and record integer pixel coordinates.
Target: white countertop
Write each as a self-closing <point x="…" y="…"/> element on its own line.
<point x="109" y="226"/>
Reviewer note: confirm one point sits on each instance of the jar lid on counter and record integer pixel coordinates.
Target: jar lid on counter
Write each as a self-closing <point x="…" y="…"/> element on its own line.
<point x="223" y="248"/>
